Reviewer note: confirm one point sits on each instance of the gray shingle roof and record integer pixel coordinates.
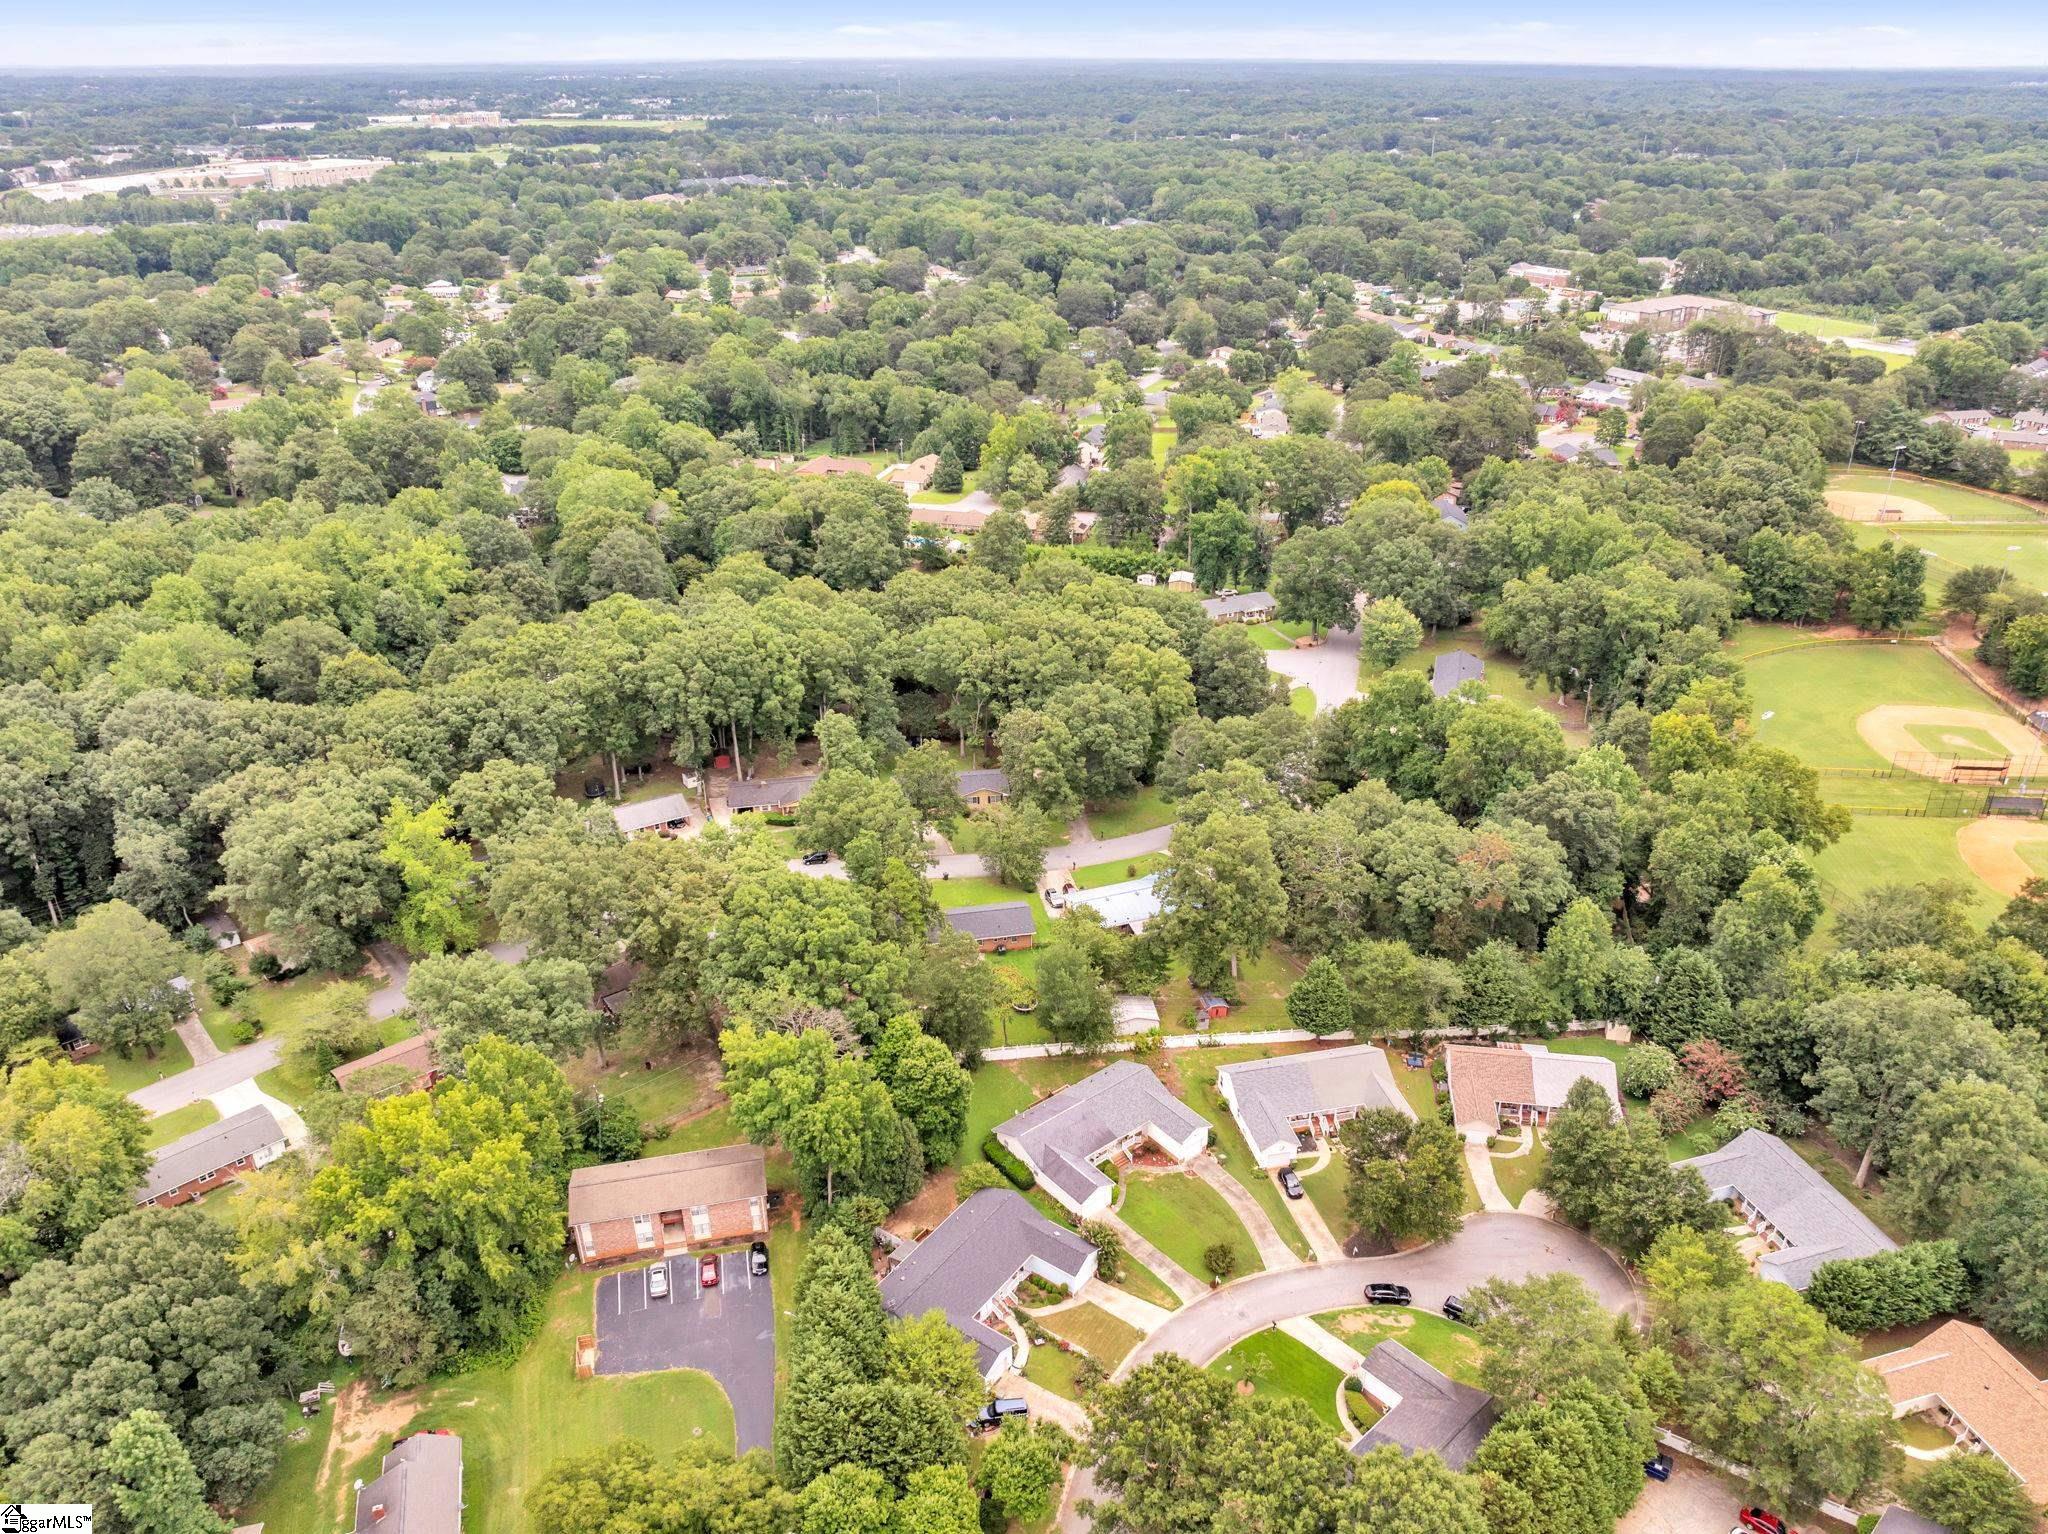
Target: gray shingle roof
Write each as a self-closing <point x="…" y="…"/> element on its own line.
<point x="1436" y="1413"/>
<point x="991" y="923"/>
<point x="1453" y="668"/>
<point x="1818" y="1224"/>
<point x="1068" y="1130"/>
<point x="983" y="780"/>
<point x="651" y="812"/>
<point x="1448" y="509"/>
<point x="972" y="1257"/>
<point x="1903" y="1520"/>
<point x="1243" y="602"/>
<point x="764" y="792"/>
<point x="420" y="1490"/>
<point x="208" y="1150"/>
<point x="1272" y="1094"/>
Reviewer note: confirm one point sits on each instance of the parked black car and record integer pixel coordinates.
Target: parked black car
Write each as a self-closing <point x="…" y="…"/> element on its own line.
<point x="594" y="788"/>
<point x="757" y="1259"/>
<point x="1454" y="1309"/>
<point x="1658" y="1469"/>
<point x="814" y="859"/>
<point x="1290" y="1184"/>
<point x="993" y="1415"/>
<point x="1388" y="1294"/>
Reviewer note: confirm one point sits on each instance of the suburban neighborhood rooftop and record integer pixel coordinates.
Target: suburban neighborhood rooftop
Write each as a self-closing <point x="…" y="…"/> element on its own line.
<point x="994" y="922"/>
<point x="1425" y="1411"/>
<point x="1814" y="1222"/>
<point x="1065" y="1132"/>
<point x="620" y="1190"/>
<point x="208" y="1150"/>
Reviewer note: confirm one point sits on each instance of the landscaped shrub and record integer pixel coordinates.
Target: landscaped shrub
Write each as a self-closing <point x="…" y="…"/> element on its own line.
<point x="265" y="965"/>
<point x="977" y="1178"/>
<point x="1647" y="1069"/>
<point x="1678" y="1104"/>
<point x="1220" y="1260"/>
<point x="1736" y="1115"/>
<point x="1901" y="1288"/>
<point x="1109" y="1249"/>
<point x="1018" y="1173"/>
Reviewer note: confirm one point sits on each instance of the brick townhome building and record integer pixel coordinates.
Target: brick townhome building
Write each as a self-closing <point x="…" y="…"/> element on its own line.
<point x="668" y="1203"/>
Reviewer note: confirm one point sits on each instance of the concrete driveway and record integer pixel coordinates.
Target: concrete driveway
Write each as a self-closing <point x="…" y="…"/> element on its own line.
<point x="728" y="1332"/>
<point x="1512" y="1246"/>
<point x="1694" y="1501"/>
<point x="1330" y="670"/>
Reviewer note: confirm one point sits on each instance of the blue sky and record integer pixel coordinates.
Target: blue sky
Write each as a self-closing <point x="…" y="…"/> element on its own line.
<point x="1740" y="33"/>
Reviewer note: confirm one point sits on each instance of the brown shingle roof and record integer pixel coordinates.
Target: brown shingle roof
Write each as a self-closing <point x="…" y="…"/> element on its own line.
<point x="1986" y="1386"/>
<point x="722" y="1175"/>
<point x="1482" y="1078"/>
<point x="415" y="1053"/>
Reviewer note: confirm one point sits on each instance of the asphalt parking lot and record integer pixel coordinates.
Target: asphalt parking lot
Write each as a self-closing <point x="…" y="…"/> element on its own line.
<point x="728" y="1332"/>
<point x="1693" y="1501"/>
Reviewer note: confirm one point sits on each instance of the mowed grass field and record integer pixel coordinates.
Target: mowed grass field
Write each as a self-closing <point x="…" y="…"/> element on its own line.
<point x="1957" y="501"/>
<point x="2019" y="550"/>
<point x="1825" y="326"/>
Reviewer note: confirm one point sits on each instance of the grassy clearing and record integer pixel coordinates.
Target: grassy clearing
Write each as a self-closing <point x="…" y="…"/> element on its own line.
<point x="1444" y="1345"/>
<point x="179" y="1121"/>
<point x="1325" y="1189"/>
<point x="1100" y="1335"/>
<point x="1275" y="1364"/>
<point x="1097" y="874"/>
<point x="1262" y="987"/>
<point x="1825" y="326"/>
<point x="2022" y="552"/>
<point x="1303" y="701"/>
<point x="1183" y="1216"/>
<point x="515" y="1422"/>
<point x="1056" y="1371"/>
<point x="1144" y="809"/>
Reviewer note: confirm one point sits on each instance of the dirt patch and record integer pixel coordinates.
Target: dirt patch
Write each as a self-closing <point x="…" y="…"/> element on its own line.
<point x="933" y="1203"/>
<point x="1887" y="730"/>
<point x="361" y="1424"/>
<point x="1393" y="1323"/>
<point x="1990" y="846"/>
<point x="1864" y="506"/>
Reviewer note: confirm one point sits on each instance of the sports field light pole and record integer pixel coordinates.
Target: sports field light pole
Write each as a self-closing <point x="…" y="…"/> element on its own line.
<point x="1886" y="504"/>
<point x="1855" y="433"/>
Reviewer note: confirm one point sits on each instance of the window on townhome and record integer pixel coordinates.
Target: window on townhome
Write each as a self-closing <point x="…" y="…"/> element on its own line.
<point x="643" y="1229"/>
<point x="700" y="1223"/>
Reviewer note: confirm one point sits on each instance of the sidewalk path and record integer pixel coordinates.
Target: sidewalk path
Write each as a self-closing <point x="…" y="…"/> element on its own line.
<point x="1333" y="1350"/>
<point x="1169" y="1272"/>
<point x="1274" y="1252"/>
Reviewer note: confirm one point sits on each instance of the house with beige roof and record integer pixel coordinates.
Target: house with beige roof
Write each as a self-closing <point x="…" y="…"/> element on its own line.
<point x="1493" y="1085"/>
<point x="410" y="1065"/>
<point x="1960" y="1375"/>
<point x="665" y="1204"/>
<point x="913" y="476"/>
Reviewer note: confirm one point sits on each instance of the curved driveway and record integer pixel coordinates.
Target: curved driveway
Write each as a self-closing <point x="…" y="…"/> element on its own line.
<point x="1490" y="1246"/>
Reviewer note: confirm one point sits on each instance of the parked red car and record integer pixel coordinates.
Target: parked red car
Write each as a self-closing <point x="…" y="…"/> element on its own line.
<point x="707" y="1277"/>
<point x="1758" y="1521"/>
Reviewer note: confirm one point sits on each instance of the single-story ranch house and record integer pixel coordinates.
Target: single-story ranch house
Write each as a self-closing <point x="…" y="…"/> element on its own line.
<point x="778" y="796"/>
<point x="415" y="1055"/>
<point x="1989" y="1399"/>
<point x="667" y="1203"/>
<point x="1274" y="1099"/>
<point x="1126" y="906"/>
<point x="969" y="1269"/>
<point x="1517" y="1084"/>
<point x="1100" y="1118"/>
<point x="204" y="1159"/>
<point x="981" y="787"/>
<point x="1797" y="1213"/>
<point x="667" y="814"/>
<point x="998" y="927"/>
<point x="1422" y="1411"/>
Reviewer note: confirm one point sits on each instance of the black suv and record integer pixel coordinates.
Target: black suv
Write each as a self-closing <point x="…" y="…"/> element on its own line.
<point x="1388" y="1294"/>
<point x="993" y="1415"/>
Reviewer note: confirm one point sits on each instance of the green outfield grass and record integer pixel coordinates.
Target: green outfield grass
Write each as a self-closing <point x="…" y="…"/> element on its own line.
<point x="1807" y="700"/>
<point x="1957" y="501"/>
<point x="1889" y="849"/>
<point x="2022" y="552"/>
<point x="1825" y="326"/>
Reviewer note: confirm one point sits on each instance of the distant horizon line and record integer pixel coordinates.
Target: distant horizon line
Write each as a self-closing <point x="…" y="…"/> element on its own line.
<point x="957" y="61"/>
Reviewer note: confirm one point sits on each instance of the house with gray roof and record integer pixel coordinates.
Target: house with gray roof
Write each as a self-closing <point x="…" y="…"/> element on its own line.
<point x="1127" y="905"/>
<point x="1273" y="1100"/>
<point x="969" y="1269"/>
<point x="980" y="787"/>
<point x="1453" y="669"/>
<point x="1797" y="1213"/>
<point x="1450" y="509"/>
<point x="998" y="927"/>
<point x="1422" y="1411"/>
<point x="665" y="814"/>
<point x="1101" y="1118"/>
<point x="1903" y="1520"/>
<point x="201" y="1161"/>
<point x="778" y="796"/>
<point x="419" y="1492"/>
<point x="1244" y="607"/>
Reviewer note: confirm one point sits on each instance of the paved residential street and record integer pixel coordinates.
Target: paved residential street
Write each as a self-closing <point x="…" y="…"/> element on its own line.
<point x="728" y="1332"/>
<point x="237" y="1065"/>
<point x="1490" y="1246"/>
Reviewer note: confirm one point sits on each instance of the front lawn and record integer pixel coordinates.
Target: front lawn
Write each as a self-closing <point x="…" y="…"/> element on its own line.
<point x="1055" y="1371"/>
<point x="1095" y="875"/>
<point x="1325" y="1189"/>
<point x="1276" y="1364"/>
<point x="1102" y="1336"/>
<point x="1518" y="1174"/>
<point x="127" y="1075"/>
<point x="515" y="1421"/>
<point x="1196" y="1070"/>
<point x="1143" y="809"/>
<point x="1444" y="1345"/>
<point x="179" y="1121"/>
<point x="1183" y="1216"/>
<point x="1303" y="701"/>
